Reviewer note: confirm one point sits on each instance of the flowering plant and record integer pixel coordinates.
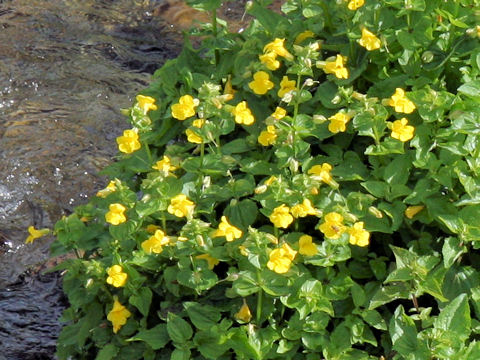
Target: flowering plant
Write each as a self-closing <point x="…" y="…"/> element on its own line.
<point x="308" y="188"/>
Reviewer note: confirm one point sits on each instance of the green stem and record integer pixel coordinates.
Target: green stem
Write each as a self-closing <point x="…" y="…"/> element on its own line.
<point x="275" y="232"/>
<point x="147" y="149"/>
<point x="259" y="305"/>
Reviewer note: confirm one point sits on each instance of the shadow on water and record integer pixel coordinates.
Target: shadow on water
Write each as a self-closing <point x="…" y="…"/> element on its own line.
<point x="67" y="67"/>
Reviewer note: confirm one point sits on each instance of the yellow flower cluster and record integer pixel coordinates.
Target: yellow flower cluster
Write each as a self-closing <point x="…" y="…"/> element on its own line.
<point x="154" y="244"/>
<point x="269" y="59"/>
<point x="108" y="190"/>
<point x="193" y="137"/>
<point x="211" y="261"/>
<point x="116" y="276"/>
<point x="304" y="209"/>
<point x="281" y="217"/>
<point x="369" y="40"/>
<point x="261" y="83"/>
<point x="185" y="107"/>
<point x="401" y="131"/>
<point x="306" y="246"/>
<point x="279" y="113"/>
<point x="332" y="227"/>
<point x="128" y="142"/>
<point x="337" y="67"/>
<point x="268" y="137"/>
<point x="164" y="166"/>
<point x="228" y="230"/>
<point x="358" y="235"/>
<point x="271" y="51"/>
<point x="280" y="259"/>
<point x="286" y="86"/>
<point x="321" y="172"/>
<point x="146" y="103"/>
<point x="116" y="214"/>
<point x="181" y="206"/>
<point x="355" y="4"/>
<point x="338" y="122"/>
<point x="243" y="115"/>
<point x="118" y="315"/>
<point x="400" y="102"/>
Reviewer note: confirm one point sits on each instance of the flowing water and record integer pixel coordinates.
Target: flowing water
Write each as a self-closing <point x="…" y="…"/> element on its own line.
<point x="67" y="67"/>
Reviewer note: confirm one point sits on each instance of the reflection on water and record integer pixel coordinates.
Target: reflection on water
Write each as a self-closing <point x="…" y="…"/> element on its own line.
<point x="66" y="69"/>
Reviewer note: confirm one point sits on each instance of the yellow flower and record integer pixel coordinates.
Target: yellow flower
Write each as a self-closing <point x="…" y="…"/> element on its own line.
<point x="118" y="315"/>
<point x="244" y="313"/>
<point x="155" y="242"/>
<point x="281" y="259"/>
<point x="303" y="209"/>
<point x="146" y="103"/>
<point x="321" y="172"/>
<point x="269" y="59"/>
<point x="228" y="230"/>
<point x="108" y="190"/>
<point x="229" y="90"/>
<point x="185" y="107"/>
<point x="152" y="228"/>
<point x="369" y="40"/>
<point x="164" y="166"/>
<point x="400" y="102"/>
<point x="279" y="113"/>
<point x="411" y="211"/>
<point x="355" y="4"/>
<point x="303" y="35"/>
<point x="286" y="85"/>
<point x="306" y="246"/>
<point x="358" y="235"/>
<point x="267" y="137"/>
<point x="198" y="123"/>
<point x="333" y="226"/>
<point x="401" y="131"/>
<point x="181" y="206"/>
<point x="116" y="214"/>
<point x="278" y="48"/>
<point x="35" y="234"/>
<point x="210" y="260"/>
<point x="261" y="83"/>
<point x="281" y="217"/>
<point x="193" y="137"/>
<point x="338" y="122"/>
<point x="337" y="67"/>
<point x="116" y="276"/>
<point x="242" y="114"/>
<point x="243" y="250"/>
<point x="128" y="142"/>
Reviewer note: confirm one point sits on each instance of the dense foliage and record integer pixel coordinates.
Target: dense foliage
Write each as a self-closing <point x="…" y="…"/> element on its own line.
<point x="307" y="188"/>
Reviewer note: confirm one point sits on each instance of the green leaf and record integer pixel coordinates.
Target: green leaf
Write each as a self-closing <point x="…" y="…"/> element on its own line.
<point x="178" y="329"/>
<point x="245" y="284"/>
<point x="211" y="343"/>
<point x="403" y="333"/>
<point x="378" y="189"/>
<point x="181" y="354"/>
<point x="108" y="352"/>
<point x="451" y="250"/>
<point x="156" y="337"/>
<point x="398" y="170"/>
<point x="471" y="89"/>
<point x="202" y="316"/>
<point x="241" y="213"/>
<point x="373" y="318"/>
<point x="270" y="20"/>
<point x="455" y="318"/>
<point x="142" y="300"/>
<point x="389" y="293"/>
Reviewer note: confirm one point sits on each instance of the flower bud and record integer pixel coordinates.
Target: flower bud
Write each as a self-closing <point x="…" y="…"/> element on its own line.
<point x="427" y="57"/>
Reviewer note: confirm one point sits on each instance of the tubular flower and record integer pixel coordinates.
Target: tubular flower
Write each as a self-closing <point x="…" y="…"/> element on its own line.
<point x="401" y="131"/>
<point x="261" y="83"/>
<point x="306" y="246"/>
<point x="355" y="4"/>
<point x="333" y="226"/>
<point x="244" y="313"/>
<point x="281" y="217"/>
<point x="185" y="107"/>
<point x="286" y="86"/>
<point x="280" y="259"/>
<point x="279" y="113"/>
<point x="321" y="172"/>
<point x="358" y="235"/>
<point x="108" y="190"/>
<point x="155" y="242"/>
<point x="116" y="214"/>
<point x="146" y="103"/>
<point x="304" y="209"/>
<point x="242" y="114"/>
<point x="116" y="276"/>
<point x="411" y="211"/>
<point x="128" y="142"/>
<point x="337" y="67"/>
<point x="267" y="137"/>
<point x="269" y="59"/>
<point x="338" y="122"/>
<point x="369" y="40"/>
<point x="181" y="206"/>
<point x="118" y="315"/>
<point x="277" y="46"/>
<point x="35" y="234"/>
<point x="228" y="230"/>
<point x="210" y="260"/>
<point x="400" y="102"/>
<point x="164" y="166"/>
<point x="193" y="137"/>
<point x="303" y="35"/>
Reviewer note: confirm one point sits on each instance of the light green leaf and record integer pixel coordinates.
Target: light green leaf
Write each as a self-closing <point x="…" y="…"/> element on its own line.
<point x="156" y="337"/>
<point x="178" y="329"/>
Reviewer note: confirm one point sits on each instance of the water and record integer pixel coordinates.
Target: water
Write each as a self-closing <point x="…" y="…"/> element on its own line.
<point x="67" y="67"/>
